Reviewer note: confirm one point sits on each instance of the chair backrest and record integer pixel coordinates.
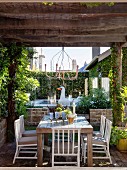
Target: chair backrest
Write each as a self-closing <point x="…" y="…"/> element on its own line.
<point x="22" y="129"/>
<point x="102" y="125"/>
<point x="65" y="147"/>
<point x="108" y="128"/>
<point x="17" y="130"/>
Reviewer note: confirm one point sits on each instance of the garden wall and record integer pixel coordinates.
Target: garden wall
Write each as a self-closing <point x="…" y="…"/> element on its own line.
<point x="95" y="115"/>
<point x="3" y="129"/>
<point x="35" y="115"/>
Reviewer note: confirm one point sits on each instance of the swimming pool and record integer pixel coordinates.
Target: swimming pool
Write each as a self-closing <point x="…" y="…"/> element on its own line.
<point x="42" y="102"/>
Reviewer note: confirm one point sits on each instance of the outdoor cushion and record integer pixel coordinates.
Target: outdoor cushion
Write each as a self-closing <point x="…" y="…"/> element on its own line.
<point x="97" y="140"/>
<point x="27" y="140"/>
<point x="97" y="133"/>
<point x="29" y="133"/>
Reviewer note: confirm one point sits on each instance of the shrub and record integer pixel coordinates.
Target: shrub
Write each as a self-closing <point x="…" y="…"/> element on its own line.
<point x="98" y="99"/>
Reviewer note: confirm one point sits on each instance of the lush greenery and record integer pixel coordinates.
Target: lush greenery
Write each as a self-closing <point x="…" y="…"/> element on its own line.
<point x="48" y="87"/>
<point x="100" y="69"/>
<point x="93" y="4"/>
<point x="117" y="134"/>
<point x="14" y="82"/>
<point x="124" y="66"/>
<point x="98" y="99"/>
<point x="115" y="86"/>
<point x="109" y="67"/>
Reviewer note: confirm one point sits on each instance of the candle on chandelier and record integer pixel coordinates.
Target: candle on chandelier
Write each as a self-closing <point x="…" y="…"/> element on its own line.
<point x="56" y="67"/>
<point x="45" y="67"/>
<point x="74" y="107"/>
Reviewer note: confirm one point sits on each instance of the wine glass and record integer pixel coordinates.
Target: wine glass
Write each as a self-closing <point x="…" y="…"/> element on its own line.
<point x="51" y="116"/>
<point x="63" y="116"/>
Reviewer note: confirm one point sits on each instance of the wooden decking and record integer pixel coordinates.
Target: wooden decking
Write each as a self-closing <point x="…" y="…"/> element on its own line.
<point x="7" y="151"/>
<point x="63" y="168"/>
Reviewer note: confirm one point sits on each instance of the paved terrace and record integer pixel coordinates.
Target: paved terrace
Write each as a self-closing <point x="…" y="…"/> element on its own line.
<point x="7" y="153"/>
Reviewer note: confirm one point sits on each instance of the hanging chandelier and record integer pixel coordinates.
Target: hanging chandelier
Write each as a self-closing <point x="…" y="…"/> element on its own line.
<point x="58" y="68"/>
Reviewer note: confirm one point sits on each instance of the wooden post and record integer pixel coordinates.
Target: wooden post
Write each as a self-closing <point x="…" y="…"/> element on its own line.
<point x="39" y="150"/>
<point x="89" y="150"/>
<point x="116" y="83"/>
<point x="119" y="62"/>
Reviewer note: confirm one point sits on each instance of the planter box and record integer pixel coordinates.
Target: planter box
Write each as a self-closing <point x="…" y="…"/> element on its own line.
<point x="35" y="115"/>
<point x="122" y="145"/>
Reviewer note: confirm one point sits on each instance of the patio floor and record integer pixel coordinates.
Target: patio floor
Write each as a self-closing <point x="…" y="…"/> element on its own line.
<point x="7" y="153"/>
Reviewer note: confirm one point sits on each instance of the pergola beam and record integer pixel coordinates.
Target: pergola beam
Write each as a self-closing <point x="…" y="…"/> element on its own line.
<point x="85" y="24"/>
<point x="64" y="31"/>
<point x="63" y="24"/>
<point x="68" y="39"/>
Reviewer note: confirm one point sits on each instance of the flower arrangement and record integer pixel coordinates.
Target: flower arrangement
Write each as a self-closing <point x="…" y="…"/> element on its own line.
<point x="58" y="109"/>
<point x="67" y="111"/>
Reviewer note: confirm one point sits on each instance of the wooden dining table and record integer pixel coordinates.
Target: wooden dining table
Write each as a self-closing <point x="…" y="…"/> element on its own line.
<point x="45" y="127"/>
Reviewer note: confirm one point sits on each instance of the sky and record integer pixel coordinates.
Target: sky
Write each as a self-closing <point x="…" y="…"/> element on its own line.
<point x="81" y="54"/>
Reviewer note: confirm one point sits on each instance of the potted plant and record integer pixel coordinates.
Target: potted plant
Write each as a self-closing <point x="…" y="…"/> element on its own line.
<point x="119" y="138"/>
<point x="59" y="109"/>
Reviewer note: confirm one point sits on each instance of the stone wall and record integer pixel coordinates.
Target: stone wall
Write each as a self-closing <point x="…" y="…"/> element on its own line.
<point x="35" y="115"/>
<point x="95" y="115"/>
<point x="3" y="129"/>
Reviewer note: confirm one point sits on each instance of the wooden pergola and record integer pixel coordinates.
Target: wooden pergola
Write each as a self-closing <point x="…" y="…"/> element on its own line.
<point x="63" y="24"/>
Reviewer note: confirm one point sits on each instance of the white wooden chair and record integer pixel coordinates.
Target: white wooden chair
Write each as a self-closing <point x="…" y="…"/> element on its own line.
<point x="24" y="144"/>
<point x="100" y="133"/>
<point x="100" y="144"/>
<point x="66" y="148"/>
<point x="26" y="133"/>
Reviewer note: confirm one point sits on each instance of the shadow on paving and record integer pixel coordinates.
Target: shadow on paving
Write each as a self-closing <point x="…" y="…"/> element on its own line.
<point x="7" y="152"/>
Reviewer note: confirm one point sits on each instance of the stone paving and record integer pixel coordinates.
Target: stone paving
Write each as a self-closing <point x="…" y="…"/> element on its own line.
<point x="7" y="153"/>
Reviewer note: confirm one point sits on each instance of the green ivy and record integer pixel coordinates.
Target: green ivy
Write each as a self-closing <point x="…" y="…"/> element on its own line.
<point x="124" y="66"/>
<point x="115" y="89"/>
<point x="102" y="67"/>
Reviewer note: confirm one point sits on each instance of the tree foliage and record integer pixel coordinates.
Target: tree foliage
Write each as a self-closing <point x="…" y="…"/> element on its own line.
<point x="14" y="78"/>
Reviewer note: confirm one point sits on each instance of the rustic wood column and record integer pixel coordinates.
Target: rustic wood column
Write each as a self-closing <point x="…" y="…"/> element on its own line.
<point x="116" y="83"/>
<point x="119" y="62"/>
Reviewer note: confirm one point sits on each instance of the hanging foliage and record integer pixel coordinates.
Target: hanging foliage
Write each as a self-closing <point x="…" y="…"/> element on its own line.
<point x="115" y="91"/>
<point x="124" y="66"/>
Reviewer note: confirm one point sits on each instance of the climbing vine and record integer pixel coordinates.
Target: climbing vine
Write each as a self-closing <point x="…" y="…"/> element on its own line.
<point x="101" y="69"/>
<point x="124" y="67"/>
<point x="115" y="88"/>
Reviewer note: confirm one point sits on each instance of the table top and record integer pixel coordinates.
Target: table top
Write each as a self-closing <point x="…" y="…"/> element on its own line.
<point x="46" y="125"/>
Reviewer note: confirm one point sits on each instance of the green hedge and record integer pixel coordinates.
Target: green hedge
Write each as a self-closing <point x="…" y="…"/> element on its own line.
<point x="48" y="87"/>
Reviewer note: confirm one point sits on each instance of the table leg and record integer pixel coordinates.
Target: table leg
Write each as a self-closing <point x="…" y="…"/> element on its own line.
<point x="46" y="139"/>
<point x="39" y="150"/>
<point x="89" y="150"/>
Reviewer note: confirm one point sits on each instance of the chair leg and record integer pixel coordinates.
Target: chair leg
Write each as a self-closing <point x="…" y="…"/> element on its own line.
<point x="78" y="160"/>
<point x="85" y="145"/>
<point x="109" y="155"/>
<point x="52" y="160"/>
<point x="16" y="153"/>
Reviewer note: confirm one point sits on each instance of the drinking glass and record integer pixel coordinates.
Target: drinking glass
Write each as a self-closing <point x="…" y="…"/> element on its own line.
<point x="56" y="115"/>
